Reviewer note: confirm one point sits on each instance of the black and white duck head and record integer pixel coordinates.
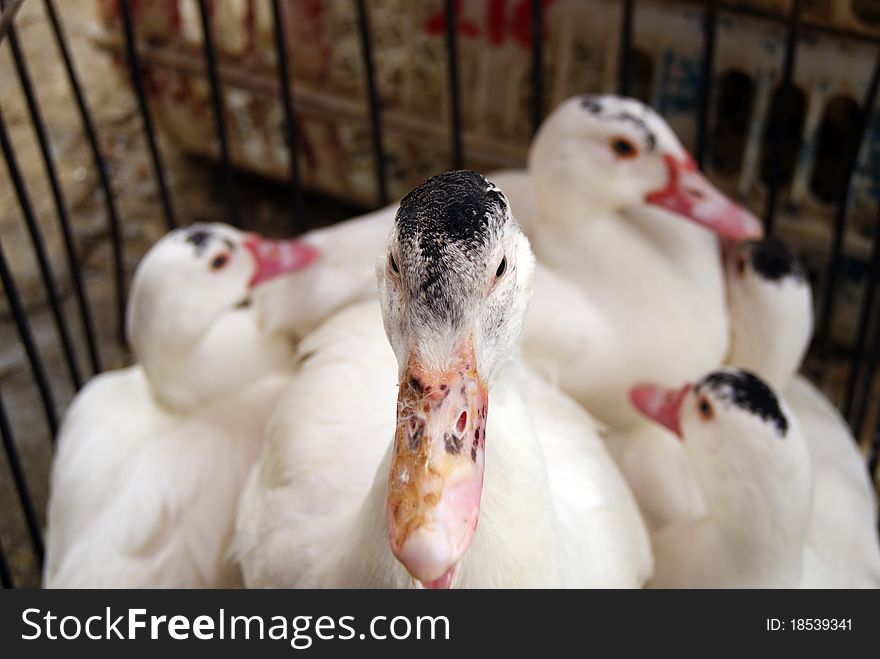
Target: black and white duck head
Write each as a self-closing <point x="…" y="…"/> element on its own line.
<point x="454" y="284"/>
<point x="770" y="303"/>
<point x="746" y="451"/>
<point x="187" y="283"/>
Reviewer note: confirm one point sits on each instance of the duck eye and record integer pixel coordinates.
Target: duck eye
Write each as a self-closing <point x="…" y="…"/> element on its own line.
<point x="502" y="267"/>
<point x="741" y="265"/>
<point x="624" y="148"/>
<point x="219" y="261"/>
<point x="393" y="264"/>
<point x="705" y="409"/>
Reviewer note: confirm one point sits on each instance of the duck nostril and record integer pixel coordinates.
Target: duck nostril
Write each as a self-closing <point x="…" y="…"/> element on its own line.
<point x="695" y="193"/>
<point x="462" y="423"/>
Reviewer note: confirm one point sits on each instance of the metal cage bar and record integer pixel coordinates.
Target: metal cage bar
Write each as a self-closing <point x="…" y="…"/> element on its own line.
<point x="865" y="312"/>
<point x="290" y="127"/>
<point x="707" y="79"/>
<point x="219" y="114"/>
<point x="451" y="20"/>
<point x="21" y="487"/>
<point x="373" y="100"/>
<point x="27" y="340"/>
<point x="626" y="35"/>
<point x="42" y="257"/>
<point x="874" y="451"/>
<point x="138" y="84"/>
<point x="860" y="408"/>
<point x="5" y="573"/>
<point x="779" y="129"/>
<point x="100" y="166"/>
<point x="73" y="264"/>
<point x="537" y="64"/>
<point x="9" y="10"/>
<point x="832" y="272"/>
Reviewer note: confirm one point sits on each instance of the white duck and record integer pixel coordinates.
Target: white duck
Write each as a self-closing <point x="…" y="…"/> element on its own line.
<point x="332" y="491"/>
<point x="612" y="184"/>
<point x="151" y="458"/>
<point x="753" y="466"/>
<point x="770" y="304"/>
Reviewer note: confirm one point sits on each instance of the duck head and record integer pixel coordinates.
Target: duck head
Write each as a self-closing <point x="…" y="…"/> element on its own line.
<point x="188" y="282"/>
<point x="771" y="309"/>
<point x="612" y="154"/>
<point x="745" y="448"/>
<point x="454" y="283"/>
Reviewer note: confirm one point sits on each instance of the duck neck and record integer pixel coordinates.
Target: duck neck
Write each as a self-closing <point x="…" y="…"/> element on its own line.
<point x="763" y="526"/>
<point x="187" y="369"/>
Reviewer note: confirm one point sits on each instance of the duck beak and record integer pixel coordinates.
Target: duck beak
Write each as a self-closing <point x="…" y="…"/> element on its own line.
<point x="277" y="257"/>
<point x="660" y="404"/>
<point x="688" y="192"/>
<point x="436" y="477"/>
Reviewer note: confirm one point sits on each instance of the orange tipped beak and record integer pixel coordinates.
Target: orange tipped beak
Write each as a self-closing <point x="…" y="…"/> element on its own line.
<point x="436" y="477"/>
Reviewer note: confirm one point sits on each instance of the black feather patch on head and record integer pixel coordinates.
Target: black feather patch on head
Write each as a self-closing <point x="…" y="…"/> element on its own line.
<point x="445" y="227"/>
<point x="774" y="261"/>
<point x="748" y="392"/>
<point x="591" y="104"/>
<point x="200" y="238"/>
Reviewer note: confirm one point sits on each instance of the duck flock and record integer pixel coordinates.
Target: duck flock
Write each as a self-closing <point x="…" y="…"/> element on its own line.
<point x="582" y="374"/>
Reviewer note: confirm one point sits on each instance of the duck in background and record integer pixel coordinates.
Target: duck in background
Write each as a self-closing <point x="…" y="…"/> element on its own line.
<point x="771" y="313"/>
<point x="344" y="495"/>
<point x="612" y="184"/>
<point x="752" y="464"/>
<point x="151" y="458"/>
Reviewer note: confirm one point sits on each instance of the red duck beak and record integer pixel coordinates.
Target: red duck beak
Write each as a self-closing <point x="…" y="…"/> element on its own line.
<point x="689" y="193"/>
<point x="277" y="257"/>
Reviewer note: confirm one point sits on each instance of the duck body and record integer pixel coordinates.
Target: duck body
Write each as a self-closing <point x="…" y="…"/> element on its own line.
<point x="312" y="512"/>
<point x="332" y="490"/>
<point x="657" y="303"/>
<point x="174" y="481"/>
<point x="152" y="458"/>
<point x="753" y="466"/>
<point x="843" y="523"/>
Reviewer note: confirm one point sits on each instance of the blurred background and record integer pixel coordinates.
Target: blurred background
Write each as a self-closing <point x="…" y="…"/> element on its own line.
<point x="775" y="98"/>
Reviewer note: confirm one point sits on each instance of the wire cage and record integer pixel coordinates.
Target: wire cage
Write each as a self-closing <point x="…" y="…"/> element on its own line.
<point x="361" y="100"/>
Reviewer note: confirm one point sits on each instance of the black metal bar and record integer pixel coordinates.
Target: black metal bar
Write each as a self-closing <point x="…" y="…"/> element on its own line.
<point x="373" y="98"/>
<point x="43" y="263"/>
<point x="781" y="127"/>
<point x="874" y="451"/>
<point x="100" y="166"/>
<point x="219" y="115"/>
<point x="295" y="187"/>
<point x="826" y="311"/>
<point x="138" y="82"/>
<point x="10" y="9"/>
<point x="626" y="34"/>
<point x="449" y="7"/>
<point x="862" y="398"/>
<point x="537" y="64"/>
<point x="707" y="77"/>
<point x="27" y="341"/>
<point x="869" y="294"/>
<point x="5" y="573"/>
<point x="21" y="486"/>
<point x="73" y="266"/>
